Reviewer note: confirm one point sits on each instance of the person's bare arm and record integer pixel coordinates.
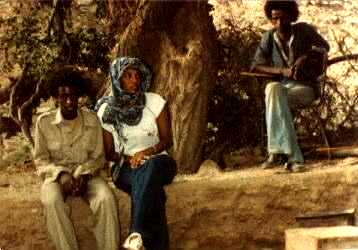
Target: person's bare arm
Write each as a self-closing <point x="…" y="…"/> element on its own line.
<point x="165" y="131"/>
<point x="165" y="139"/>
<point x="108" y="142"/>
<point x="275" y="71"/>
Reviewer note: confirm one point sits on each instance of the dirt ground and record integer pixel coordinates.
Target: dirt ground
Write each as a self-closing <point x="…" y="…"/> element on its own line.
<point x="21" y="218"/>
<point x="22" y="221"/>
<point x="19" y="204"/>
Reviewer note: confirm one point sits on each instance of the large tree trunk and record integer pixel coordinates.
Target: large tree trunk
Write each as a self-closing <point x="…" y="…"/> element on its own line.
<point x="178" y="40"/>
<point x="5" y="91"/>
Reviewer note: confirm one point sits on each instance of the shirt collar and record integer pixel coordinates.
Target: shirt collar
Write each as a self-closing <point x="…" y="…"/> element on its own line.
<point x="82" y="116"/>
<point x="59" y="117"/>
<point x="287" y="58"/>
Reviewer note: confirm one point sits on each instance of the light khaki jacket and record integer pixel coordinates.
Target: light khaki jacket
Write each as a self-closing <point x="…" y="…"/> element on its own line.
<point x="76" y="148"/>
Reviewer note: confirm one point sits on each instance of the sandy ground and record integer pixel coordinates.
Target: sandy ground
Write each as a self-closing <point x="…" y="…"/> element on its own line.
<point x="22" y="221"/>
<point x="21" y="218"/>
<point x="19" y="204"/>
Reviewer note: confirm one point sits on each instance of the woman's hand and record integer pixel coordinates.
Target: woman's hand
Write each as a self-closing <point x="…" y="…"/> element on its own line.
<point x="139" y="158"/>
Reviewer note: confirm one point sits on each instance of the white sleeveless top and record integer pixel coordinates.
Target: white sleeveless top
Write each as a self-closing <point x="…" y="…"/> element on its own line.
<point x="141" y="136"/>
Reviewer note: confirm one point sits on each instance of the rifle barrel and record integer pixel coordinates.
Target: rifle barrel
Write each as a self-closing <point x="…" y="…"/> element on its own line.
<point x="256" y="74"/>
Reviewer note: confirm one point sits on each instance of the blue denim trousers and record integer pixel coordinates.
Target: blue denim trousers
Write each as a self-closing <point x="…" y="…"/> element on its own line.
<point x="280" y="98"/>
<point x="145" y="186"/>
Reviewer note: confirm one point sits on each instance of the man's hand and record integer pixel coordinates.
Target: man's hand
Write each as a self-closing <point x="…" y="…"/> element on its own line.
<point x="66" y="181"/>
<point x="80" y="185"/>
<point x="287" y="72"/>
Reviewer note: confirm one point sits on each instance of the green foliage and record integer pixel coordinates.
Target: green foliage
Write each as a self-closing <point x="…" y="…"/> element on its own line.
<point x="236" y="107"/>
<point x="24" y="40"/>
<point x="90" y="48"/>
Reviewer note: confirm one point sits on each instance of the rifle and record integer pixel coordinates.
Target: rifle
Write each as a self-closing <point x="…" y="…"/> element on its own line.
<point x="253" y="74"/>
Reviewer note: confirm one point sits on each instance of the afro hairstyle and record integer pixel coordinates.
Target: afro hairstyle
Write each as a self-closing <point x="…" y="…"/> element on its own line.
<point x="67" y="76"/>
<point x="288" y="6"/>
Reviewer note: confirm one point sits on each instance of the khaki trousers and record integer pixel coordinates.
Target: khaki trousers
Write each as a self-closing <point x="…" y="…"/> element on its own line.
<point x="103" y="205"/>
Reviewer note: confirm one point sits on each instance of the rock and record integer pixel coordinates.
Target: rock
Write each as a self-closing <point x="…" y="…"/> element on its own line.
<point x="246" y="156"/>
<point x="208" y="168"/>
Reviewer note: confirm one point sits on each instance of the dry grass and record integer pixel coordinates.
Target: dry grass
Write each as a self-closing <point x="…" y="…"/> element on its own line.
<point x="15" y="151"/>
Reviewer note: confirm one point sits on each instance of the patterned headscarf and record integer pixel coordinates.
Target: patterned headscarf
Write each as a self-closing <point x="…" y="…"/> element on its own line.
<point x="125" y="107"/>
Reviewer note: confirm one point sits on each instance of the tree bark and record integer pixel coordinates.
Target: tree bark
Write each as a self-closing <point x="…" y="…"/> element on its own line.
<point x="8" y="127"/>
<point x="6" y="90"/>
<point x="178" y="40"/>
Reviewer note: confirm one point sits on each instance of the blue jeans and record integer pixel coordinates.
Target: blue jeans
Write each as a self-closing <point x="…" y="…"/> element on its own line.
<point x="280" y="97"/>
<point x="145" y="186"/>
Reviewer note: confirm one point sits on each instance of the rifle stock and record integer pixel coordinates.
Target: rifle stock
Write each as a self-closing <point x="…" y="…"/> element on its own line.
<point x="253" y="74"/>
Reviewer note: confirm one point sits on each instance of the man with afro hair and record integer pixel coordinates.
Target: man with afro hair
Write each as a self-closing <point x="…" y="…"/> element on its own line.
<point x="278" y="54"/>
<point x="69" y="156"/>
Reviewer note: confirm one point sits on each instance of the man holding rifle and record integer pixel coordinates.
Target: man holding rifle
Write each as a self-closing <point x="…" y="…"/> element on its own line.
<point x="293" y="55"/>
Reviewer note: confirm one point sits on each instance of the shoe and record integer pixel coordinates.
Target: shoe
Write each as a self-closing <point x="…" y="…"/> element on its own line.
<point x="273" y="160"/>
<point x="134" y="242"/>
<point x="295" y="167"/>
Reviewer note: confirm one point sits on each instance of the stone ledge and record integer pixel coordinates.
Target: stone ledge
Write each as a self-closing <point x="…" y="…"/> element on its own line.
<point x="322" y="238"/>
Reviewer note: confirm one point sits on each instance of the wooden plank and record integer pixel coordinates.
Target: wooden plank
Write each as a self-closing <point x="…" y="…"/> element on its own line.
<point x="348" y="214"/>
<point x="328" y="214"/>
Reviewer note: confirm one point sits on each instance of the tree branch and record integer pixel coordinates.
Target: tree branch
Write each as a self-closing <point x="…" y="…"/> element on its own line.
<point x="57" y="19"/>
<point x="342" y="58"/>
<point x="14" y="94"/>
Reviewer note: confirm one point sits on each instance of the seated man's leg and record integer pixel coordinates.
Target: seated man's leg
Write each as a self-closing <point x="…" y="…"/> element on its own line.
<point x="299" y="95"/>
<point x="148" y="199"/>
<point x="104" y="207"/>
<point x="281" y="135"/>
<point x="58" y="222"/>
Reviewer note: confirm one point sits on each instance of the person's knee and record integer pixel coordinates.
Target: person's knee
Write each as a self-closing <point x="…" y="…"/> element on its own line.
<point x="105" y="196"/>
<point x="300" y="97"/>
<point x="156" y="163"/>
<point x="50" y="198"/>
<point x="162" y="168"/>
<point x="151" y="165"/>
<point x="273" y="87"/>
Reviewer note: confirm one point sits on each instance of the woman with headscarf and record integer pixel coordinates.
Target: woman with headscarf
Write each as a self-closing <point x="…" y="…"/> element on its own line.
<point x="137" y="133"/>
